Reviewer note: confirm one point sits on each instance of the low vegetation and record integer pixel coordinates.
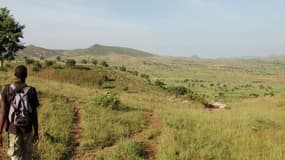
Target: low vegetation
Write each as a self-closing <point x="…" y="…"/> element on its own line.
<point x="118" y="105"/>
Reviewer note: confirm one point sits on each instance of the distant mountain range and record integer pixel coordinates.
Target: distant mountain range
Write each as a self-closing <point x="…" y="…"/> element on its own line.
<point x="95" y="50"/>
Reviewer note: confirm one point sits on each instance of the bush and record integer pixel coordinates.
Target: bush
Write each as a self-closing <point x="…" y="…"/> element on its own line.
<point x="94" y="61"/>
<point x="4" y="69"/>
<point x="123" y="69"/>
<point x="196" y="97"/>
<point x="104" y="64"/>
<point x="135" y="73"/>
<point x="84" y="61"/>
<point x="159" y="83"/>
<point x="145" y="76"/>
<point x="108" y="100"/>
<point x="186" y="80"/>
<point x="29" y="61"/>
<point x="180" y="90"/>
<point x="58" y="58"/>
<point x="70" y="63"/>
<point x="37" y="66"/>
<point x="253" y="95"/>
<point x="42" y="58"/>
<point x="221" y="94"/>
<point x="49" y="63"/>
<point x="8" y="65"/>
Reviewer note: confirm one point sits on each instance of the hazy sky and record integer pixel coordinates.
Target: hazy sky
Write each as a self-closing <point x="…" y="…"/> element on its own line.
<point x="208" y="28"/>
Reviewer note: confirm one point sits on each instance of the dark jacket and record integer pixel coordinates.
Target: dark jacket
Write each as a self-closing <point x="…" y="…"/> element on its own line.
<point x="6" y="98"/>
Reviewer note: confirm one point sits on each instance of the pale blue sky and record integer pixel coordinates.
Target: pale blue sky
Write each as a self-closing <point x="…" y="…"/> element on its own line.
<point x="208" y="28"/>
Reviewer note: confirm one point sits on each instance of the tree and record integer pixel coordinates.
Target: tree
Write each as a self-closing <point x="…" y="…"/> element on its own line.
<point x="11" y="33"/>
<point x="104" y="64"/>
<point x="84" y="61"/>
<point x="94" y="61"/>
<point x="70" y="63"/>
<point x="58" y="58"/>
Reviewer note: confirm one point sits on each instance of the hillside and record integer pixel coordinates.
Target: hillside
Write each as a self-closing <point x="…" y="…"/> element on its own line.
<point x="95" y="50"/>
<point x="36" y="52"/>
<point x="112" y="114"/>
<point x="100" y="50"/>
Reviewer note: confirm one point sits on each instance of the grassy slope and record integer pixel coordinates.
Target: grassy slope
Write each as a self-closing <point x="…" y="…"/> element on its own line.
<point x="235" y="79"/>
<point x="252" y="129"/>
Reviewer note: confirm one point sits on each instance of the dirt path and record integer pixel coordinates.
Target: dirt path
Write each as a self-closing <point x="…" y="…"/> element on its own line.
<point x="76" y="131"/>
<point x="150" y="143"/>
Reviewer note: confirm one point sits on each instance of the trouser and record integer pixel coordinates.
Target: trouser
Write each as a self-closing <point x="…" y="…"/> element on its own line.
<point x="20" y="146"/>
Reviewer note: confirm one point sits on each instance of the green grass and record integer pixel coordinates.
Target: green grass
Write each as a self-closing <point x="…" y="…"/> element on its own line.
<point x="127" y="150"/>
<point x="104" y="126"/>
<point x="252" y="129"/>
<point x="55" y="121"/>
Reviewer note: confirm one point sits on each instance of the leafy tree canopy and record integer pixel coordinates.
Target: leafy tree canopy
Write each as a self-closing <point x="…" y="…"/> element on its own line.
<point x="11" y="33"/>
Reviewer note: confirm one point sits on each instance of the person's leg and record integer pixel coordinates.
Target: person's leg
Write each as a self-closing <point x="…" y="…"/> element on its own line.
<point x="28" y="146"/>
<point x="15" y="151"/>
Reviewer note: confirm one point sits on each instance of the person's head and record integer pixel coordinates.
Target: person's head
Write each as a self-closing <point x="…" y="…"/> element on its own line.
<point x="21" y="73"/>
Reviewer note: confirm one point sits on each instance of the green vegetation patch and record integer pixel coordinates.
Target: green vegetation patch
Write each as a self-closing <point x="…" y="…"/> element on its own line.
<point x="126" y="150"/>
<point x="55" y="121"/>
<point x="103" y="126"/>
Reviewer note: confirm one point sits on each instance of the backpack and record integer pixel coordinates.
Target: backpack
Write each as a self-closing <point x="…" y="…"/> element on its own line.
<point x="20" y="112"/>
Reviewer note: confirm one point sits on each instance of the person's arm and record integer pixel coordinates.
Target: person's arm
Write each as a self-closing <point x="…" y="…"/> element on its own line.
<point x="35" y="117"/>
<point x="2" y="115"/>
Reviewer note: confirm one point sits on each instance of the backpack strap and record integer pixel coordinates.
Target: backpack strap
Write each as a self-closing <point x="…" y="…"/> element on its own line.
<point x="13" y="86"/>
<point x="26" y="90"/>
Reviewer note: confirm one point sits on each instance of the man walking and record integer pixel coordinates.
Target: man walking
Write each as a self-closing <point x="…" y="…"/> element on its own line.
<point x="18" y="113"/>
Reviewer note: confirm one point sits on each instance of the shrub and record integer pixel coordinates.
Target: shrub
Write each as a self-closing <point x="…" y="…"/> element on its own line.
<point x="104" y="64"/>
<point x="159" y="83"/>
<point x="253" y="95"/>
<point x="70" y="63"/>
<point x="123" y="69"/>
<point x="8" y="65"/>
<point x="58" y="58"/>
<point x="37" y="66"/>
<point x="261" y="87"/>
<point x="186" y="80"/>
<point x="84" y="61"/>
<point x="135" y="73"/>
<point x="94" y="61"/>
<point x="108" y="100"/>
<point x="4" y="69"/>
<point x="180" y="90"/>
<point x="42" y="58"/>
<point x="29" y="61"/>
<point x="126" y="88"/>
<point x="196" y="97"/>
<point x="221" y="94"/>
<point x="145" y="76"/>
<point x="49" y="63"/>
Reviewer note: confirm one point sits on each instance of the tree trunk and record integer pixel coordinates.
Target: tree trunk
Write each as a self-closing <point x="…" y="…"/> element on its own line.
<point x="2" y="63"/>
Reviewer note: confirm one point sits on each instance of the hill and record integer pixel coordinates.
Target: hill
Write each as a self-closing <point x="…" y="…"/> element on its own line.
<point x="36" y="52"/>
<point x="101" y="50"/>
<point x="95" y="50"/>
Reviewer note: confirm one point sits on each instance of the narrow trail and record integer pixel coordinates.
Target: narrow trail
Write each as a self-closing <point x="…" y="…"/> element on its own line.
<point x="150" y="143"/>
<point x="76" y="131"/>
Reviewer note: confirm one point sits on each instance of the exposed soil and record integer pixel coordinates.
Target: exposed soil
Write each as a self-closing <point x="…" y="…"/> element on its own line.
<point x="76" y="132"/>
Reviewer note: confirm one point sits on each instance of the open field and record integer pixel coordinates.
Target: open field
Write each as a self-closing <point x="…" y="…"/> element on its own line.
<point x="94" y="112"/>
